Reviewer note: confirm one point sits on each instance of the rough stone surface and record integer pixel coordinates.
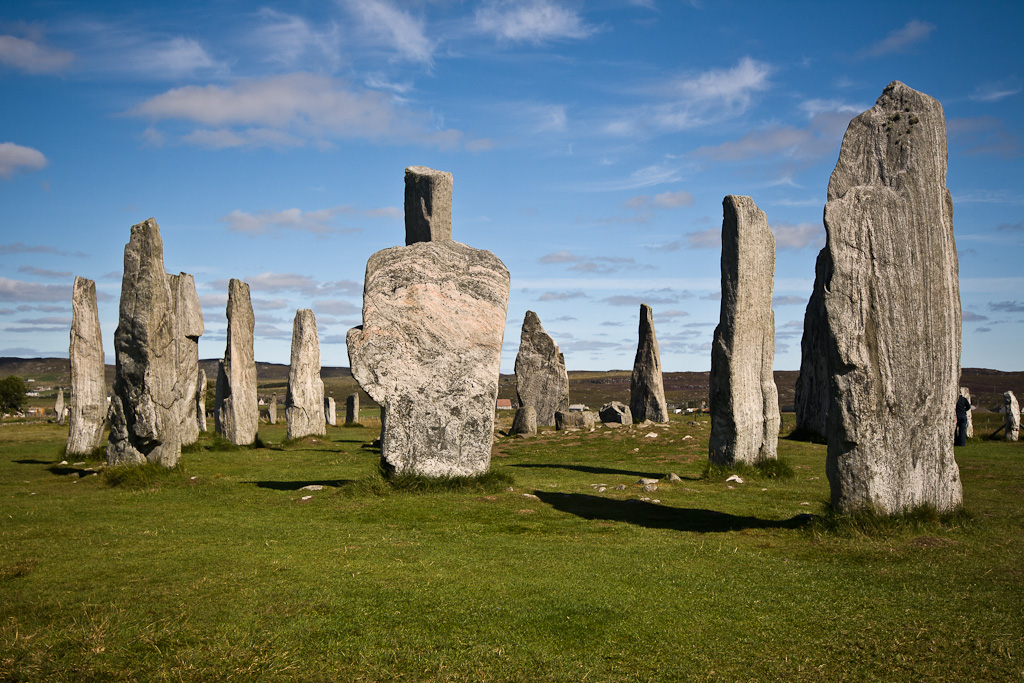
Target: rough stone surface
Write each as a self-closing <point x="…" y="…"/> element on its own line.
<point x="272" y="410"/>
<point x="201" y="401"/>
<point x="428" y="205"/>
<point x="352" y="409"/>
<point x="1012" y="416"/>
<point x="59" y="409"/>
<point x="238" y="413"/>
<point x="304" y="401"/>
<point x="743" y="398"/>
<point x="541" y="379"/>
<point x="892" y="311"/>
<point x="429" y="351"/>
<point x="582" y="419"/>
<point x="331" y="411"/>
<point x="616" y="413"/>
<point x="811" y="398"/>
<point x="188" y="321"/>
<point x="145" y="418"/>
<point x="525" y="421"/>
<point x="646" y="388"/>
<point x="88" y="398"/>
<point x="966" y="393"/>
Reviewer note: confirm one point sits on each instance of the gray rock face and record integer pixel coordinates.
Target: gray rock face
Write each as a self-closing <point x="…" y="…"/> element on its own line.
<point x="646" y="389"/>
<point x="966" y="393"/>
<point x="304" y="402"/>
<point x="428" y="205"/>
<point x="201" y="402"/>
<point x="352" y="409"/>
<point x="616" y="413"/>
<point x="237" y="415"/>
<point x="272" y="410"/>
<point x="892" y="311"/>
<point x="88" y="386"/>
<point x="743" y="398"/>
<point x="331" y="411"/>
<point x="429" y="351"/>
<point x="541" y="379"/>
<point x="59" y="409"/>
<point x="525" y="421"/>
<point x="188" y="320"/>
<point x="811" y="399"/>
<point x="1012" y="416"/>
<point x="145" y="418"/>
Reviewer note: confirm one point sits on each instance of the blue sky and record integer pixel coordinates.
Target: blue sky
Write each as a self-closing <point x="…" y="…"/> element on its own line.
<point x="591" y="146"/>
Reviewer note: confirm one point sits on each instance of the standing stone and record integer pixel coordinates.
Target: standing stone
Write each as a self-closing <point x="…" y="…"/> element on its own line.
<point x="304" y="401"/>
<point x="428" y="205"/>
<point x="58" y="407"/>
<point x="188" y="317"/>
<point x="811" y="397"/>
<point x="88" y="386"/>
<point x="1012" y="416"/>
<point x="201" y="401"/>
<point x="272" y="410"/>
<point x="352" y="409"/>
<point x="331" y="411"/>
<point x="966" y="393"/>
<point x="646" y="389"/>
<point x="237" y="414"/>
<point x="525" y="421"/>
<point x="892" y="311"/>
<point x="429" y="352"/>
<point x="743" y="397"/>
<point x="616" y="413"/>
<point x="541" y="379"/>
<point x="145" y="418"/>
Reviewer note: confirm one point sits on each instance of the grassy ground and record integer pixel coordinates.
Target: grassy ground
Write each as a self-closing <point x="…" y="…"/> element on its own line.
<point x="226" y="569"/>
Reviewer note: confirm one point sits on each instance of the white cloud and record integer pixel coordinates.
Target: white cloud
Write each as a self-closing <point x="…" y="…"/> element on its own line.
<point x="394" y="28"/>
<point x="18" y="290"/>
<point x="995" y="91"/>
<point x="913" y="32"/>
<point x="336" y="307"/>
<point x="172" y="58"/>
<point x="15" y="158"/>
<point x="531" y="21"/>
<point x="316" y="222"/>
<point x="798" y="235"/>
<point x="820" y="139"/>
<point x="288" y="39"/>
<point x="43" y="272"/>
<point x="705" y="239"/>
<point x="31" y="57"/>
<point x="672" y="200"/>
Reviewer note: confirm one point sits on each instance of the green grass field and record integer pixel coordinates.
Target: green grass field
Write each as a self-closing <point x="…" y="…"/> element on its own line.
<point x="226" y="569"/>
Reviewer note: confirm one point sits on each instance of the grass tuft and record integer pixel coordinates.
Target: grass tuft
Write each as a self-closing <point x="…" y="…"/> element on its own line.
<point x="148" y="475"/>
<point x="383" y="483"/>
<point x="873" y="523"/>
<point x="775" y="468"/>
<point x="354" y="425"/>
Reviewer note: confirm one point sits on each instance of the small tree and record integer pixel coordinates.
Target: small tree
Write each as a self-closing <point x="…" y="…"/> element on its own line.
<point x="12" y="394"/>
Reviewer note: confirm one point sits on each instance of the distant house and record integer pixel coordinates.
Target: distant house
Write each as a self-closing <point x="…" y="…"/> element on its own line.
<point x="504" y="404"/>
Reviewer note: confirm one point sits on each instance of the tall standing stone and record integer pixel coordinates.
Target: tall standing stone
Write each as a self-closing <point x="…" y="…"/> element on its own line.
<point x="541" y="378"/>
<point x="304" y="401"/>
<point x="331" y="411"/>
<point x="811" y="397"/>
<point x="200" y="406"/>
<point x="145" y="422"/>
<point x="352" y="409"/>
<point x="59" y="409"/>
<point x="892" y="311"/>
<point x="428" y="205"/>
<point x="88" y="386"/>
<point x="646" y="387"/>
<point x="188" y="320"/>
<point x="743" y="397"/>
<point x="966" y="393"/>
<point x="272" y="410"/>
<point x="1012" y="409"/>
<point x="238" y="413"/>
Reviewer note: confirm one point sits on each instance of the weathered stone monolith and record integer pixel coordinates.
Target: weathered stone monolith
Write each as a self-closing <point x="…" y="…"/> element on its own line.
<point x="429" y="352"/>
<point x="541" y="379"/>
<point x="811" y="397"/>
<point x="892" y="311"/>
<point x="743" y="398"/>
<point x="525" y="421"/>
<point x="428" y="205"/>
<point x="145" y="418"/>
<point x="966" y="393"/>
<point x="59" y="409"/>
<point x="615" y="413"/>
<point x="331" y="411"/>
<point x="88" y="386"/>
<point x="304" y="401"/>
<point x="1012" y="409"/>
<point x="237" y="415"/>
<point x="272" y="410"/>
<point x="576" y="419"/>
<point x="200" y="404"/>
<point x="352" y="409"/>
<point x="646" y="388"/>
<point x="188" y="320"/>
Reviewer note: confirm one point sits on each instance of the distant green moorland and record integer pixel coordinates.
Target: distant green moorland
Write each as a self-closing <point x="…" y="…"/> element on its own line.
<point x="227" y="569"/>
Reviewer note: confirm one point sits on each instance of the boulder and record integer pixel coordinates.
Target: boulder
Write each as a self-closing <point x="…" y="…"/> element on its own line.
<point x="525" y="421"/>
<point x="892" y="311"/>
<point x="352" y="409"/>
<point x="428" y="205"/>
<point x="304" y="401"/>
<point x="541" y="379"/>
<point x="237" y="414"/>
<point x="616" y="413"/>
<point x="1012" y="409"/>
<point x="743" y="398"/>
<point x="88" y="398"/>
<point x="583" y="419"/>
<point x="646" y="388"/>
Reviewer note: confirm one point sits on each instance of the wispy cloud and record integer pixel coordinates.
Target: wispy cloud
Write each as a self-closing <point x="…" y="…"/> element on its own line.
<point x="316" y="222"/>
<point x="788" y="300"/>
<point x="32" y="57"/>
<point x="393" y="28"/>
<point x="562" y="296"/>
<point x="22" y="248"/>
<point x="969" y="317"/>
<point x="531" y="21"/>
<point x="290" y="40"/>
<point x="18" y="159"/>
<point x="1007" y="306"/>
<point x="913" y="31"/>
<point x="798" y="236"/>
<point x="18" y="290"/>
<point x="705" y="239"/>
<point x="271" y="282"/>
<point x="996" y="90"/>
<point x="591" y="264"/>
<point x="43" y="272"/>
<point x="984" y="135"/>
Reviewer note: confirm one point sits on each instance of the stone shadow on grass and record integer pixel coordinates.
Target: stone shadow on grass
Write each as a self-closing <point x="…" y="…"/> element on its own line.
<point x="33" y="462"/>
<point x="655" y="516"/>
<point x="601" y="470"/>
<point x="296" y="485"/>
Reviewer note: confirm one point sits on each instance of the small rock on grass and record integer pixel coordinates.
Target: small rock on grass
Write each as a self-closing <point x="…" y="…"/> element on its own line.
<point x="312" y="487"/>
<point x="620" y="487"/>
<point x="646" y="480"/>
<point x="736" y="478"/>
<point x="673" y="477"/>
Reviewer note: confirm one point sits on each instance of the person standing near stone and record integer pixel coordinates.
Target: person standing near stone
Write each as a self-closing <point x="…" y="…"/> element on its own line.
<point x="237" y="415"/>
<point x="352" y="409"/>
<point x="892" y="311"/>
<point x="966" y="393"/>
<point x="88" y="385"/>
<point x="743" y="397"/>
<point x="429" y="348"/>
<point x="963" y="409"/>
<point x="304" y="401"/>
<point x="646" y="386"/>
<point x="541" y="378"/>
<point x="1012" y="409"/>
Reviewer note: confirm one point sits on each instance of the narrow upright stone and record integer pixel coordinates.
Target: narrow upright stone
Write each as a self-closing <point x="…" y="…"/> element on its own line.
<point x="646" y="387"/>
<point x="1012" y="409"/>
<point x="743" y="397"/>
<point x="304" y="401"/>
<point x="188" y="320"/>
<point x="892" y="311"/>
<point x="331" y="411"/>
<point x="88" y="385"/>
<point x="59" y="409"/>
<point x="811" y="398"/>
<point x="201" y="401"/>
<point x="525" y="421"/>
<point x="238" y="413"/>
<point x="428" y="205"/>
<point x="352" y="409"/>
<point x="272" y="410"/>
<point x="541" y="378"/>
